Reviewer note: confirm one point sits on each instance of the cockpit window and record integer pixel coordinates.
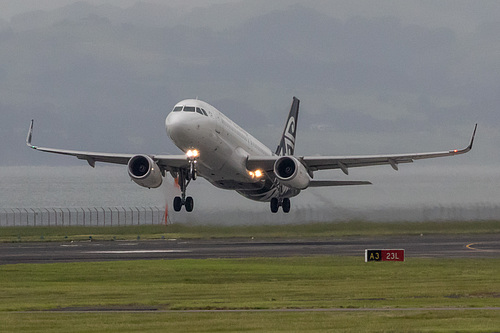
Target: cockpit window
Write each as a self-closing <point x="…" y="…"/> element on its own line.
<point x="190" y="109"/>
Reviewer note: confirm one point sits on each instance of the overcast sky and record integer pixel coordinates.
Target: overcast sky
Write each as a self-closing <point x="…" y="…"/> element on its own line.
<point x="373" y="76"/>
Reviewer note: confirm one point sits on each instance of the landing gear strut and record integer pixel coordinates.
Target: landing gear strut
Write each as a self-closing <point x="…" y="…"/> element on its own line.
<point x="284" y="203"/>
<point x="184" y="178"/>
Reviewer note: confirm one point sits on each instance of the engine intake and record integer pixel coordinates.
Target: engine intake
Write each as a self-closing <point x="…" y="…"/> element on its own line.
<point x="144" y="171"/>
<point x="291" y="172"/>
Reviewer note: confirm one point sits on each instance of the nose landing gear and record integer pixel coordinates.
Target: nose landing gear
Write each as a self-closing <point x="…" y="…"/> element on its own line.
<point x="184" y="177"/>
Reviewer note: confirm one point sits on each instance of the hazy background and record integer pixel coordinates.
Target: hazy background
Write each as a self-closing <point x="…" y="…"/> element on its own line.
<point x="373" y="78"/>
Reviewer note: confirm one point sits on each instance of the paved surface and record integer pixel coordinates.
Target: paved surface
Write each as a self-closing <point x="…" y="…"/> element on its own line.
<point x="441" y="246"/>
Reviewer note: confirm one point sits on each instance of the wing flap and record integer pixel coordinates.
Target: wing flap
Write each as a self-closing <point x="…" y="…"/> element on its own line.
<point x="171" y="162"/>
<point x="345" y="162"/>
<point x="90" y="157"/>
<point x="166" y="162"/>
<point x="315" y="163"/>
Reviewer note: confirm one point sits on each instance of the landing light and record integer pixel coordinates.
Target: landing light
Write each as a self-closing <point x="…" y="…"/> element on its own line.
<point x="193" y="153"/>
<point x="256" y="174"/>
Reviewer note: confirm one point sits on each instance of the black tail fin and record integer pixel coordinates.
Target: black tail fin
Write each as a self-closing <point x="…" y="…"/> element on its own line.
<point x="287" y="143"/>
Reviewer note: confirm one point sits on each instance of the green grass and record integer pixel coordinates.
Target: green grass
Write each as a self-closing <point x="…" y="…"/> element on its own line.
<point x="281" y="283"/>
<point x="45" y="234"/>
<point x="262" y="283"/>
<point x="315" y="230"/>
<point x="414" y="321"/>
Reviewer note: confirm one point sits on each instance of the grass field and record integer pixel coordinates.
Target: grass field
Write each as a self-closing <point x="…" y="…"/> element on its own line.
<point x="418" y="295"/>
<point x="404" y="321"/>
<point x="252" y="284"/>
<point x="353" y="228"/>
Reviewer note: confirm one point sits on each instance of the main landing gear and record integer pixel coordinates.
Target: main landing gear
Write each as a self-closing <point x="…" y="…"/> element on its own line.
<point x="284" y="203"/>
<point x="184" y="178"/>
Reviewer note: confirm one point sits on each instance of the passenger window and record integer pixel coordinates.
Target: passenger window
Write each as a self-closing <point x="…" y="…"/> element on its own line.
<point x="178" y="108"/>
<point x="189" y="109"/>
<point x="199" y="111"/>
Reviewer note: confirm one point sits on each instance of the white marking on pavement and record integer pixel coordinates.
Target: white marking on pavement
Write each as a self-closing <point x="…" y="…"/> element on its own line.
<point x="137" y="251"/>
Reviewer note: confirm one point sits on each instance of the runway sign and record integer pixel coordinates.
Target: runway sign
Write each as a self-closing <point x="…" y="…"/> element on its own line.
<point x="385" y="255"/>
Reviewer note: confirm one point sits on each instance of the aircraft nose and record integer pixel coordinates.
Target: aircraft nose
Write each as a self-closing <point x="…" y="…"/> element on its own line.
<point x="174" y="125"/>
<point x="181" y="127"/>
<point x="188" y="129"/>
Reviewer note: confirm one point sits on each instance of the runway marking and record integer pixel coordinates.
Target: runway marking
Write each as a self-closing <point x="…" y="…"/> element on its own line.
<point x="137" y="251"/>
<point x="471" y="247"/>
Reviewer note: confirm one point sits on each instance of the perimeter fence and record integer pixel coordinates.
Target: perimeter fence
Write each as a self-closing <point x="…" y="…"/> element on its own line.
<point x="90" y="216"/>
<point x="154" y="215"/>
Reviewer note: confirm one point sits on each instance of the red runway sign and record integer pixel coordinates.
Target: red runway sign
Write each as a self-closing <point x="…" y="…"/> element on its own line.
<point x="384" y="255"/>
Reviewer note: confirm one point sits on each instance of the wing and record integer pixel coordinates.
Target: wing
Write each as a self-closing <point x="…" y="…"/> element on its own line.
<point x="165" y="162"/>
<point x="315" y="163"/>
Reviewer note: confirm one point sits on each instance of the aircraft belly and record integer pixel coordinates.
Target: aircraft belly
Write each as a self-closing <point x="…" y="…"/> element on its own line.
<point x="232" y="177"/>
<point x="268" y="192"/>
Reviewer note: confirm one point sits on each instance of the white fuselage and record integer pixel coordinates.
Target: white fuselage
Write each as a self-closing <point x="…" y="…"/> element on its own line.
<point x="223" y="150"/>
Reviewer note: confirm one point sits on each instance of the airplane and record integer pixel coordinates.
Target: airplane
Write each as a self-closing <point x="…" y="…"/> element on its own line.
<point x="227" y="156"/>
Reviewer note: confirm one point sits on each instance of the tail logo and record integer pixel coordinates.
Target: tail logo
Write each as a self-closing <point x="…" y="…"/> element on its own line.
<point x="287" y="143"/>
<point x="289" y="137"/>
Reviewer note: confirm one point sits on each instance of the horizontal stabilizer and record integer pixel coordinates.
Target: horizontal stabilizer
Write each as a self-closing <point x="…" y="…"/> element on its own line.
<point x="321" y="183"/>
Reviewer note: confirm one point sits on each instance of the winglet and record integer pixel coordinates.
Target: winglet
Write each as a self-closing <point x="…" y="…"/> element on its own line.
<point x="30" y="136"/>
<point x="469" y="147"/>
<point x="472" y="139"/>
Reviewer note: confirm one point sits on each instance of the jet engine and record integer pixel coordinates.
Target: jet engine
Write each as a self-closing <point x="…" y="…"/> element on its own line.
<point x="291" y="172"/>
<point x="144" y="171"/>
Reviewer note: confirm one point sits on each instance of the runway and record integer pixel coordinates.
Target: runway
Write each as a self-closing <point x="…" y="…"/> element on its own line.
<point x="432" y="246"/>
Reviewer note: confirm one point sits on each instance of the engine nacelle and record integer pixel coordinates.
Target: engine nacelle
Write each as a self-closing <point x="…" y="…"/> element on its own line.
<point x="144" y="171"/>
<point x="291" y="172"/>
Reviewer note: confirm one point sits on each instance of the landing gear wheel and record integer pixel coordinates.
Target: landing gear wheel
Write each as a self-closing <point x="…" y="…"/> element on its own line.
<point x="184" y="176"/>
<point x="286" y="205"/>
<point x="189" y="204"/>
<point x="274" y="205"/>
<point x="177" y="204"/>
